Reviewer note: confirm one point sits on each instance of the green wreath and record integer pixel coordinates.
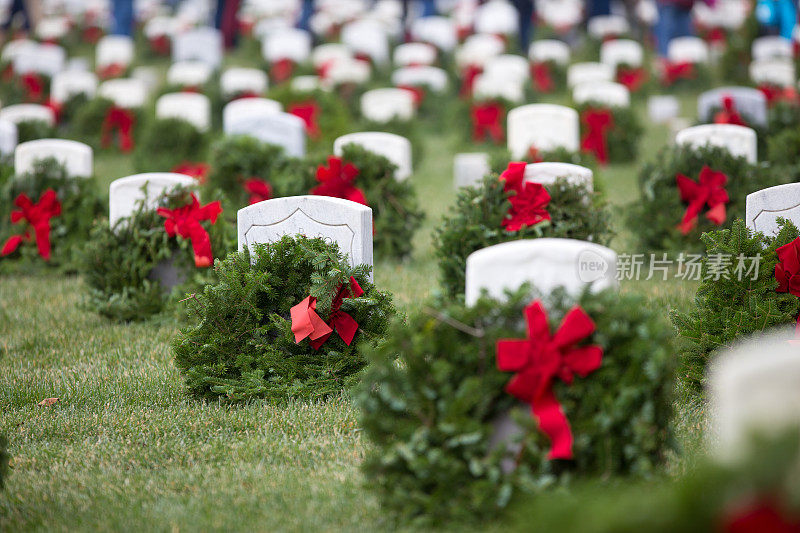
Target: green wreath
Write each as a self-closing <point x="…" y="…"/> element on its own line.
<point x="726" y="308"/>
<point x="624" y="137"/>
<point x="87" y="124"/>
<point x="333" y="118"/>
<point x="475" y="222"/>
<point x="30" y="130"/>
<point x="252" y="352"/>
<point x="433" y="394"/>
<point x="168" y="142"/>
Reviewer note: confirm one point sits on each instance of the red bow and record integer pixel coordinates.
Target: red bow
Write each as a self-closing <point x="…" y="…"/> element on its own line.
<point x="337" y="181"/>
<point x="38" y="217"/>
<point x="729" y="114"/>
<point x="468" y="79"/>
<point x="677" y="71"/>
<point x="34" y="87"/>
<point x="708" y="190"/>
<point x="281" y="70"/>
<point x="159" y="45"/>
<point x="513" y="176"/>
<point x="113" y="70"/>
<point x="597" y="122"/>
<point x="542" y="77"/>
<point x="91" y="34"/>
<point x="185" y="221"/>
<point x="55" y="107"/>
<point x="534" y="156"/>
<point x="760" y="517"/>
<point x="307" y="323"/>
<point x="486" y="120"/>
<point x="632" y="78"/>
<point x="775" y="94"/>
<point x="324" y="69"/>
<point x="308" y="111"/>
<point x="539" y="359"/>
<point x="417" y="92"/>
<point x="120" y="119"/>
<point x="198" y="171"/>
<point x="716" y="36"/>
<point x="528" y="205"/>
<point x="259" y="190"/>
<point x="787" y="271"/>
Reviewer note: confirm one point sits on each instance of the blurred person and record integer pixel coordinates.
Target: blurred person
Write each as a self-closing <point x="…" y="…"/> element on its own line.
<point x="674" y="20"/>
<point x="225" y="21"/>
<point x="306" y="11"/>
<point x="123" y="17"/>
<point x="19" y="15"/>
<point x="598" y="8"/>
<point x="777" y="17"/>
<point x="526" y="10"/>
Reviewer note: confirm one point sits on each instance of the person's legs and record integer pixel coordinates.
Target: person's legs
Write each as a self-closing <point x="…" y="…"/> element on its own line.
<point x="305" y="15"/>
<point x="599" y="7"/>
<point x="123" y="17"/>
<point x="229" y="25"/>
<point x="17" y="7"/>
<point x="428" y="8"/>
<point x="525" y="10"/>
<point x="663" y="29"/>
<point x="682" y="22"/>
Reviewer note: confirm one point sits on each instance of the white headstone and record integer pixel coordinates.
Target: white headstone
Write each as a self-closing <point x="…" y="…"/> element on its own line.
<point x="772" y="47"/>
<point x="189" y="73"/>
<point x="438" y="31"/>
<point x="778" y="72"/>
<point x="384" y="105"/>
<point x="469" y="169"/>
<point x="368" y="38"/>
<point x="488" y="87"/>
<point x="237" y="80"/>
<point x="129" y="93"/>
<point x="8" y="137"/>
<point x="346" y="223"/>
<point x="69" y="83"/>
<point x="496" y="16"/>
<point x="52" y="28"/>
<point x="245" y="110"/>
<point x="282" y="129"/>
<point x="478" y="49"/>
<point x="509" y="66"/>
<point x="578" y="73"/>
<point x="560" y="14"/>
<point x="545" y="263"/>
<point x="767" y="205"/>
<point x="606" y="93"/>
<point x="663" y="108"/>
<point x="604" y="26"/>
<point x="347" y="71"/>
<point x="47" y="59"/>
<point x="17" y="47"/>
<point x="330" y="53"/>
<point x="750" y="102"/>
<point x="433" y="78"/>
<point x="114" y="49"/>
<point x="160" y="25"/>
<point x="124" y="193"/>
<point x="200" y="44"/>
<point x="192" y="107"/>
<point x="306" y="83"/>
<point x="622" y="52"/>
<point x="549" y="50"/>
<point x="688" y="50"/>
<point x="738" y="140"/>
<point x="417" y="54"/>
<point x="549" y="173"/>
<point x="393" y="147"/>
<point x="75" y="156"/>
<point x="753" y="388"/>
<point x="290" y="43"/>
<point x="543" y="126"/>
<point x="18" y="113"/>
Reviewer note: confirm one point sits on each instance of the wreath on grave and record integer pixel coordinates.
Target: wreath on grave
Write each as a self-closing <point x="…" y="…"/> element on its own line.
<point x="434" y="399"/>
<point x="303" y="318"/>
<point x="46" y="216"/>
<point x="102" y="124"/>
<point x="684" y="76"/>
<point x="483" y="120"/>
<point x="498" y="210"/>
<point x="30" y="130"/>
<point x="548" y="76"/>
<point x="637" y="79"/>
<point x="687" y="191"/>
<point x="735" y="61"/>
<point x="739" y="295"/>
<point x="610" y="134"/>
<point x="367" y="178"/>
<point x="167" y="142"/>
<point x="31" y="88"/>
<point x="67" y="110"/>
<point x="322" y="111"/>
<point x="121" y="266"/>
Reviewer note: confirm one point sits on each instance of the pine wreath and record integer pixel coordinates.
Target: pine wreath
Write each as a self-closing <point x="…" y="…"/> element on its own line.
<point x="30" y="130"/>
<point x="726" y="307"/>
<point x="623" y="135"/>
<point x="88" y="124"/>
<point x="433" y="396"/>
<point x="325" y="116"/>
<point x="243" y="346"/>
<point x="167" y="142"/>
<point x="476" y="221"/>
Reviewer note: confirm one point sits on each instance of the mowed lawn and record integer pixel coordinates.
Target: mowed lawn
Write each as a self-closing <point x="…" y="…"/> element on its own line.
<point x="126" y="449"/>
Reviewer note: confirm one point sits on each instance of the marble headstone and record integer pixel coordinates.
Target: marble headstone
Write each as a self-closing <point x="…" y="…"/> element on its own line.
<point x="75" y="156"/>
<point x="543" y="126"/>
<point x="200" y="44"/>
<point x="548" y="173"/>
<point x="69" y="83"/>
<point x="124" y="193"/>
<point x="395" y="148"/>
<point x="738" y="140"/>
<point x="8" y="137"/>
<point x="764" y="207"/>
<point x="470" y="168"/>
<point x="750" y="102"/>
<point x="282" y="129"/>
<point x="192" y="107"/>
<point x="24" y="112"/>
<point x="384" y="105"/>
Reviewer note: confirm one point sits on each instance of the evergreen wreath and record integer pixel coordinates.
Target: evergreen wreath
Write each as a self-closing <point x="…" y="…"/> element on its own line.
<point x="735" y="60"/>
<point x="548" y="76"/>
<point x="433" y="394"/>
<point x="243" y="347"/>
<point x="622" y="137"/>
<point x="69" y="108"/>
<point x="79" y="203"/>
<point x="476" y="221"/>
<point x="325" y="116"/>
<point x="167" y="142"/>
<point x="87" y="124"/>
<point x="725" y="307"/>
<point x="637" y="78"/>
<point x="30" y="130"/>
<point x="695" y="79"/>
<point x="117" y="263"/>
<point x="661" y="203"/>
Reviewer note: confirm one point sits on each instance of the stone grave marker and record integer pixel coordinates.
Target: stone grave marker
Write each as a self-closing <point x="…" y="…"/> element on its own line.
<point x="663" y="108"/>
<point x="750" y="102"/>
<point x="18" y="113"/>
<point x="245" y="110"/>
<point x="544" y="127"/>
<point x="237" y="80"/>
<point x="433" y="78"/>
<point x="780" y="72"/>
<point x="470" y="168"/>
<point x="69" y="83"/>
<point x="438" y="31"/>
<point x="124" y="193"/>
<point x="607" y="93"/>
<point x="496" y="17"/>
<point x="282" y="129"/>
<point x="621" y="52"/>
<point x="289" y="43"/>
<point x="548" y="173"/>
<point x="414" y="54"/>
<point x="200" y="44"/>
<point x="114" y="49"/>
<point x="764" y="207"/>
<point x="549" y="50"/>
<point x="384" y="105"/>
<point x="8" y="137"/>
<point x="129" y="93"/>
<point x="771" y="47"/>
<point x="194" y="108"/>
<point x="75" y="156"/>
<point x="688" y="50"/>
<point x="578" y="73"/>
<point x="395" y="148"/>
<point x="189" y="73"/>
<point x="738" y="140"/>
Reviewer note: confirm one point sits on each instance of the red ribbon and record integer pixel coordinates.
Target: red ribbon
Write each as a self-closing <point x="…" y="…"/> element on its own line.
<point x="468" y="79"/>
<point x="34" y="87"/>
<point x="417" y="92"/>
<point x="787" y="271"/>
<point x="198" y="171"/>
<point x="258" y="189"/>
<point x="159" y="45"/>
<point x="55" y="107"/>
<point x="541" y="358"/>
<point x="324" y="69"/>
<point x="760" y="516"/>
<point x="308" y="111"/>
<point x="775" y="94"/>
<point x="708" y="190"/>
<point x="38" y="216"/>
<point x="729" y="114"/>
<point x="91" y="34"/>
<point x="597" y="122"/>
<point x="486" y="121"/>
<point x="542" y="77"/>
<point x="307" y="323"/>
<point x="123" y="120"/>
<point x="281" y="70"/>
<point x="678" y="71"/>
<point x="534" y="156"/>
<point x="185" y="221"/>
<point x="632" y="78"/>
<point x="716" y="36"/>
<point x="337" y="181"/>
<point x="112" y="70"/>
<point x="528" y="204"/>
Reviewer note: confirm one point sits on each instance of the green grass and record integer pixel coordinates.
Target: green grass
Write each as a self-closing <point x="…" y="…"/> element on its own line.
<point x="125" y="449"/>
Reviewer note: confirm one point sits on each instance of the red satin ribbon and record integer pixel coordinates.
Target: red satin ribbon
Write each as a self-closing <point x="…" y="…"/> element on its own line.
<point x="529" y="201"/>
<point x="678" y="71"/>
<point x="159" y="45"/>
<point x="708" y="190"/>
<point x="34" y="87"/>
<point x="787" y="272"/>
<point x="198" y="171"/>
<point x="185" y="221"/>
<point x="597" y="122"/>
<point x="122" y="120"/>
<point x="417" y="92"/>
<point x="540" y="359"/>
<point x="632" y="78"/>
<point x="307" y="323"/>
<point x="542" y="77"/>
<point x="716" y="36"/>
<point x="258" y="189"/>
<point x="337" y="181"/>
<point x="761" y="516"/>
<point x="729" y="114"/>
<point x="486" y="122"/>
<point x="308" y="111"/>
<point x="468" y="79"/>
<point x="775" y="94"/>
<point x="113" y="70"/>
<point x="281" y="70"/>
<point x="38" y="216"/>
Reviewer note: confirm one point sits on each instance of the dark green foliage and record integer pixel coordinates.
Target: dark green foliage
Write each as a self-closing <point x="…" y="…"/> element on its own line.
<point x="87" y="121"/>
<point x="80" y="204"/>
<point x="433" y="391"/>
<point x="733" y="65"/>
<point x="30" y="130"/>
<point x="334" y="119"/>
<point x="117" y="262"/>
<point x="661" y="205"/>
<point x="405" y="128"/>
<point x="4" y="460"/>
<point x="167" y="142"/>
<point x="243" y="348"/>
<point x="700" y="81"/>
<point x="475" y="222"/>
<point x="623" y="137"/>
<point x="782" y="148"/>
<point x="71" y="107"/>
<point x="727" y="309"/>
